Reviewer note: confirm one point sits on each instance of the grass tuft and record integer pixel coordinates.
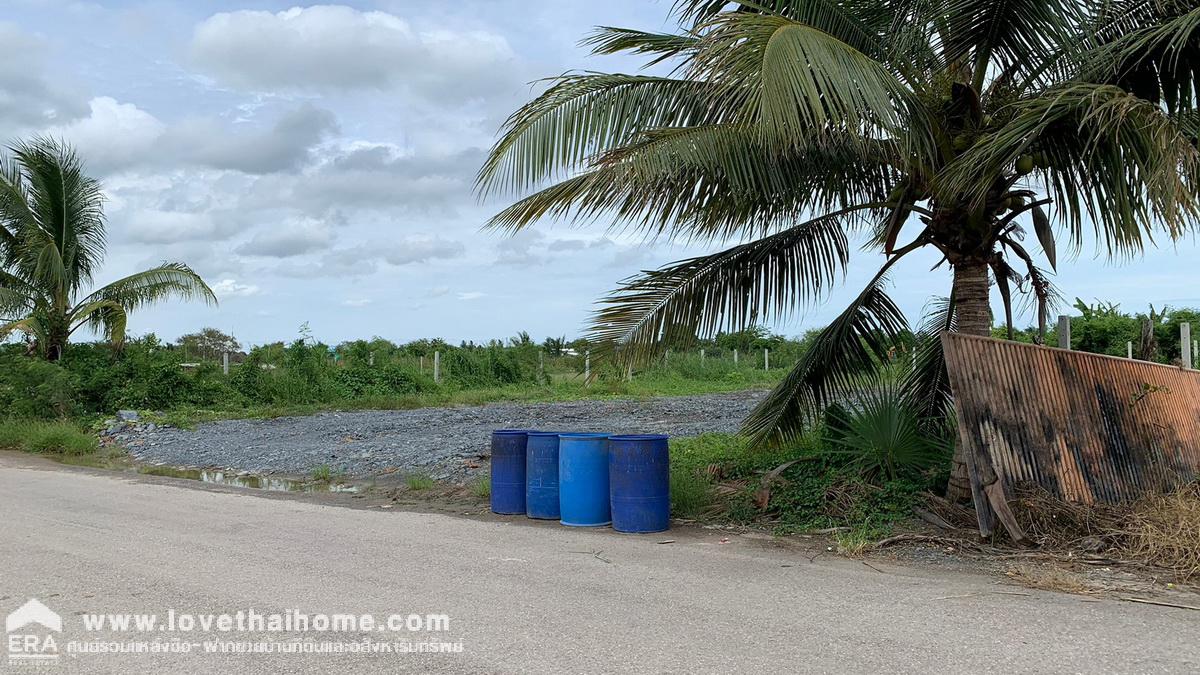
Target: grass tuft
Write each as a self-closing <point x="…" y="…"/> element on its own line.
<point x="419" y="482"/>
<point x="47" y="438"/>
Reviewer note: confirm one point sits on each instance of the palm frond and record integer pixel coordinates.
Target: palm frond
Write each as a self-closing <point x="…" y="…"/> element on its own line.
<point x="64" y="242"/>
<point x="697" y="297"/>
<point x="1112" y="159"/>
<point x="734" y="186"/>
<point x="1000" y="34"/>
<point x="843" y="353"/>
<point x="800" y="78"/>
<point x="926" y="385"/>
<point x="153" y="285"/>
<point x="1151" y="49"/>
<point x="555" y="134"/>
<point x="663" y="46"/>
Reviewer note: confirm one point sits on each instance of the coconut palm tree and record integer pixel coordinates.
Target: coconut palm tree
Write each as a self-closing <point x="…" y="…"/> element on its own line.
<point x="788" y="129"/>
<point x="52" y="243"/>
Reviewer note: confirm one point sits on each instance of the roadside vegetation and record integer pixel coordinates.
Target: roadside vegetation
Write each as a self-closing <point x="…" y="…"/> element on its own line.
<point x="184" y="385"/>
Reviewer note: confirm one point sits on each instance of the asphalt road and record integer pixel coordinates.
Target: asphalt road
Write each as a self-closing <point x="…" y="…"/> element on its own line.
<point x="522" y="597"/>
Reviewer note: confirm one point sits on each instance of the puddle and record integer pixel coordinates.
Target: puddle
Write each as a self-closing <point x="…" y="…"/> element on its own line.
<point x="250" y="481"/>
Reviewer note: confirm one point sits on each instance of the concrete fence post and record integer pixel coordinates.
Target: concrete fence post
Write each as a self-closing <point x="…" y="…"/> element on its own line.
<point x="1129" y="349"/>
<point x="587" y="365"/>
<point x="1185" y="344"/>
<point x="1064" y="331"/>
<point x="735" y="357"/>
<point x="437" y="367"/>
<point x="225" y="363"/>
<point x="701" y="356"/>
<point x="766" y="359"/>
<point x="371" y="359"/>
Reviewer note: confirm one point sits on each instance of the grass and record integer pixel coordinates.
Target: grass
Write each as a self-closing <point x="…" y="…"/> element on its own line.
<point x="47" y="438"/>
<point x="482" y="488"/>
<point x="560" y="389"/>
<point x="323" y="474"/>
<point x="419" y="482"/>
<point x="717" y="477"/>
<point x="1158" y="530"/>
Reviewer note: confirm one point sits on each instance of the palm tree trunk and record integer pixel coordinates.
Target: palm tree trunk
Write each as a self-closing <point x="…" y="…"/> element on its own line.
<point x="973" y="311"/>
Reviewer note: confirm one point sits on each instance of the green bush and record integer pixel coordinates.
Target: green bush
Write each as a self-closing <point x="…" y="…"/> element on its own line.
<point x="30" y="387"/>
<point x="880" y="435"/>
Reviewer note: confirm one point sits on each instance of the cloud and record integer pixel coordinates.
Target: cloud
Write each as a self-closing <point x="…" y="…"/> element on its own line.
<point x="230" y="288"/>
<point x="156" y="226"/>
<point x="373" y="177"/>
<point x="518" y="250"/>
<point x="285" y="146"/>
<point x="364" y="259"/>
<point x="418" y="250"/>
<point x="27" y="97"/>
<point x="118" y="136"/>
<point x="333" y="47"/>
<point x="356" y="302"/>
<point x="113" y="135"/>
<point x="471" y="295"/>
<point x="293" y="240"/>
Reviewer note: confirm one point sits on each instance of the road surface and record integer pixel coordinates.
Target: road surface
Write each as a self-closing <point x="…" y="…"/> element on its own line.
<point x="521" y="597"/>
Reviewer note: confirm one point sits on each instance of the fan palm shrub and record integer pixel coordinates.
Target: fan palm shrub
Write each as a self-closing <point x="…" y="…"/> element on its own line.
<point x="787" y="130"/>
<point x="52" y="242"/>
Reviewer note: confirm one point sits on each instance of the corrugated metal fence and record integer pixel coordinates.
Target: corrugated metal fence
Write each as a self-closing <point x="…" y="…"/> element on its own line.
<point x="1089" y="428"/>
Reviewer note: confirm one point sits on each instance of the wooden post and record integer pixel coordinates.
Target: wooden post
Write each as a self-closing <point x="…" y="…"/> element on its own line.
<point x="437" y="367"/>
<point x="225" y="363"/>
<point x="587" y="365"/>
<point x="766" y="359"/>
<point x="735" y="357"/>
<point x="1129" y="349"/>
<point x="1064" y="331"/>
<point x="1185" y="344"/>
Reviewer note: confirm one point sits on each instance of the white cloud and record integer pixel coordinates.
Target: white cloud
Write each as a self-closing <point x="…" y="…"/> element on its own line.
<point x="295" y="238"/>
<point x="411" y="250"/>
<point x="114" y="135"/>
<point x="471" y="295"/>
<point x="285" y="146"/>
<point x="28" y="97"/>
<point x="356" y="302"/>
<point x="118" y="136"/>
<point x="333" y="47"/>
<point x="156" y="226"/>
<point x="231" y="288"/>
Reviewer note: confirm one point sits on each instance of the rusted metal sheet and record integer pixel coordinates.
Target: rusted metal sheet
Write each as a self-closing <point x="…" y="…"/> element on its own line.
<point x="1088" y="428"/>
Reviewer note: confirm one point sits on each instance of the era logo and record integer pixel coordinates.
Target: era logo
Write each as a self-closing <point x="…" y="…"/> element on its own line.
<point x="27" y="645"/>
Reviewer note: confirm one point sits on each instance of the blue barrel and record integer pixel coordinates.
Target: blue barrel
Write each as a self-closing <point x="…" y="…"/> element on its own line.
<point x="508" y="471"/>
<point x="541" y="475"/>
<point x="583" y="480"/>
<point x="640" y="480"/>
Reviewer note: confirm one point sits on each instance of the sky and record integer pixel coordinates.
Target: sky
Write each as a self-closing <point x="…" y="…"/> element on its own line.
<point x="316" y="164"/>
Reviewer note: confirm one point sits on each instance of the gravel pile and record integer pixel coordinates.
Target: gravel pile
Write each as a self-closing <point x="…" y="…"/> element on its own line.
<point x="445" y="443"/>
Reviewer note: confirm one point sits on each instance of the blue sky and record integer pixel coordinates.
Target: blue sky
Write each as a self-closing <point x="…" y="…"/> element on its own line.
<point x="315" y="164"/>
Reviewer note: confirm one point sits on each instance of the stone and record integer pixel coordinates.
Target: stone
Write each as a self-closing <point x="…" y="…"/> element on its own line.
<point x="127" y="415"/>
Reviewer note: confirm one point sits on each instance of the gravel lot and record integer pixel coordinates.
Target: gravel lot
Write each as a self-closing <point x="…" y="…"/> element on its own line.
<point x="441" y="442"/>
